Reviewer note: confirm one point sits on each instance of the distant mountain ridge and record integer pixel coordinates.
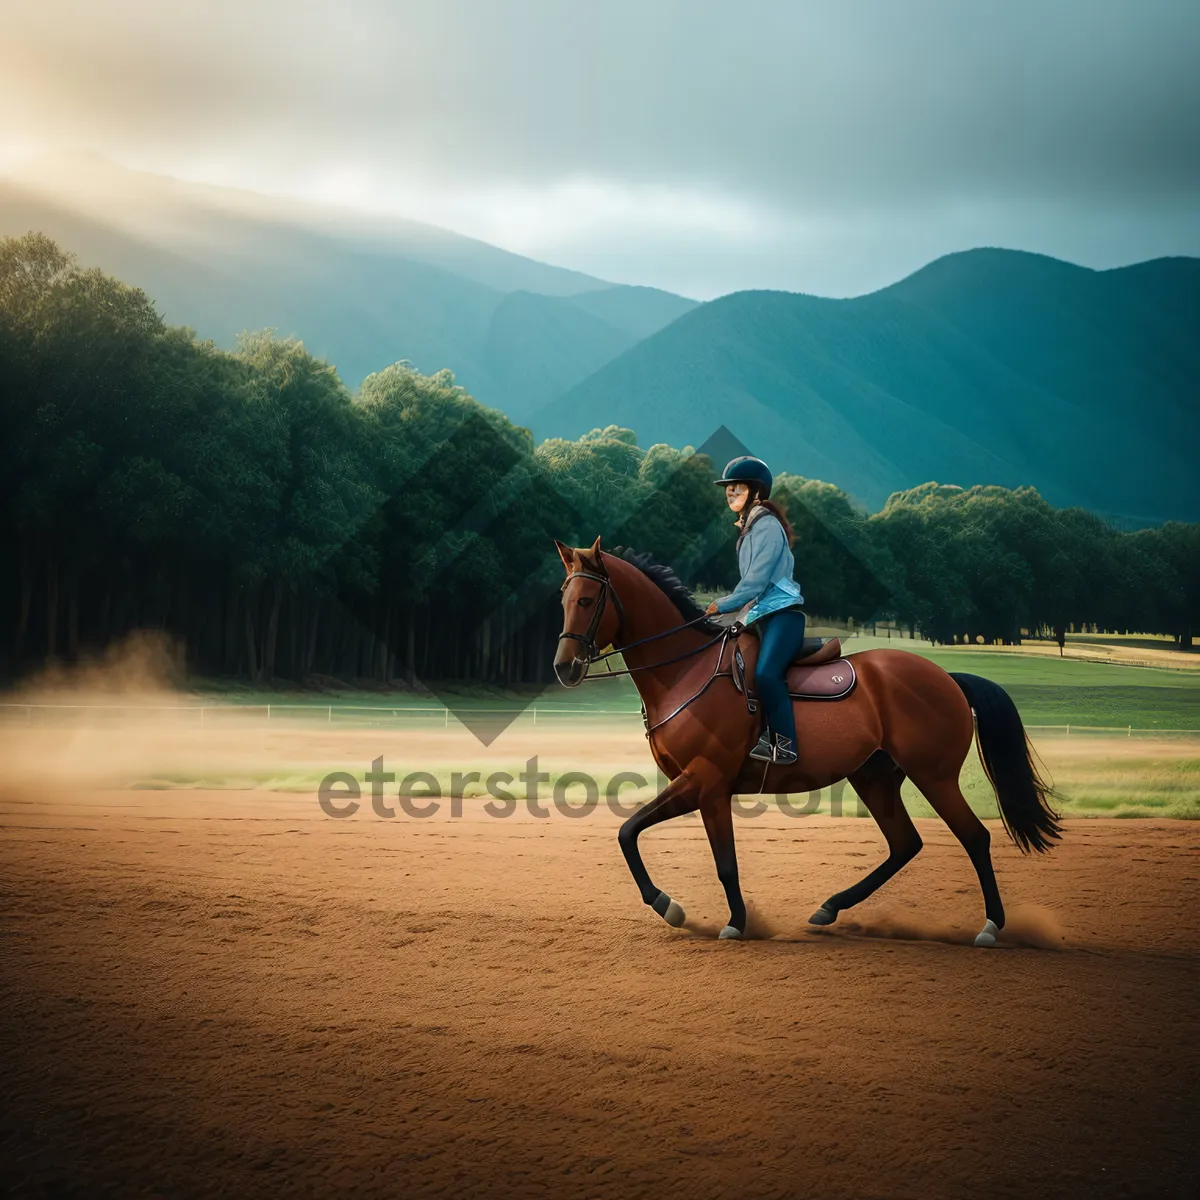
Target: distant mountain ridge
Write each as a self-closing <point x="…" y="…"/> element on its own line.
<point x="988" y="366"/>
<point x="360" y="291"/>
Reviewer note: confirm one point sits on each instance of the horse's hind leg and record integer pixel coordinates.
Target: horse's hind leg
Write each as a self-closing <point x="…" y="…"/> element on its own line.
<point x="947" y="800"/>
<point x="877" y="783"/>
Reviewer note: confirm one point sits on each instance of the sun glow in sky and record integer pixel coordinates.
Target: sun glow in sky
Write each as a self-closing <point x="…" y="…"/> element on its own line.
<point x="701" y="147"/>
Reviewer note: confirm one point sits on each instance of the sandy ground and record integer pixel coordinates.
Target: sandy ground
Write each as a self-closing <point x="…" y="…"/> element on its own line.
<point x="230" y="993"/>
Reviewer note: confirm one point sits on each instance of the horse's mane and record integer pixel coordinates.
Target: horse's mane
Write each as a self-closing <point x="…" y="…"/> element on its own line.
<point x="669" y="584"/>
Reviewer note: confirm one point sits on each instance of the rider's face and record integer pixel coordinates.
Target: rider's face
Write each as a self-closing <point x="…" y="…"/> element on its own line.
<point x="735" y="494"/>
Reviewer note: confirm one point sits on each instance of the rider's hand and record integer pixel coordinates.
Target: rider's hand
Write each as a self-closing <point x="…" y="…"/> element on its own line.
<point x="712" y="608"/>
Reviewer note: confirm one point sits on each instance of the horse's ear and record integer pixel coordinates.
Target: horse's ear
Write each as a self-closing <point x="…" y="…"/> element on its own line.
<point x="591" y="556"/>
<point x="565" y="553"/>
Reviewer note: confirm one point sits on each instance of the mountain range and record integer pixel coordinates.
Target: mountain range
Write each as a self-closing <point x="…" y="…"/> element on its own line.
<point x="986" y="366"/>
<point x="359" y="291"/>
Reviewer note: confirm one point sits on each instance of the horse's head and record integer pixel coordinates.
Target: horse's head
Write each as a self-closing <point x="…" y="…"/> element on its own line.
<point x="591" y="611"/>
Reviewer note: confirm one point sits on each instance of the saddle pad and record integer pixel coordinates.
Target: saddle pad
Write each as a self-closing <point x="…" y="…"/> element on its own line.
<point x="825" y="681"/>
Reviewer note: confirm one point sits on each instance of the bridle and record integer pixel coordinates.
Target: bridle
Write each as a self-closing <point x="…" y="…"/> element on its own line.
<point x="589" y="643"/>
<point x="589" y="639"/>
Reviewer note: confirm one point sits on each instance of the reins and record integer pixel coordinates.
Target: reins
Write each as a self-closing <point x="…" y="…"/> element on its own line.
<point x="609" y="673"/>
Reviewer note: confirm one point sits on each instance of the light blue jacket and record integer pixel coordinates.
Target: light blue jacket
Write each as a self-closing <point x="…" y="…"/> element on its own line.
<point x="767" y="566"/>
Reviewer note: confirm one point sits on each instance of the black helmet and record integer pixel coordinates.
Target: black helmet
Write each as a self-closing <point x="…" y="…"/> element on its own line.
<point x="747" y="469"/>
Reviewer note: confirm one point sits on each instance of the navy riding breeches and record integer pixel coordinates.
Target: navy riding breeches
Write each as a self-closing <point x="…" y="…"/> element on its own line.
<point x="781" y="635"/>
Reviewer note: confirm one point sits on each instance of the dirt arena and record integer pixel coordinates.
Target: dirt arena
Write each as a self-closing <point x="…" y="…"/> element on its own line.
<point x="227" y="992"/>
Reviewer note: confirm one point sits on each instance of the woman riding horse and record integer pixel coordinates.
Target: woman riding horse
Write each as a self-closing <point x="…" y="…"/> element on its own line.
<point x="905" y="717"/>
<point x="767" y="586"/>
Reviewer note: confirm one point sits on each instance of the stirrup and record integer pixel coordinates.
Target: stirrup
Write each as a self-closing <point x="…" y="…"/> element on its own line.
<point x="763" y="750"/>
<point x="784" y="750"/>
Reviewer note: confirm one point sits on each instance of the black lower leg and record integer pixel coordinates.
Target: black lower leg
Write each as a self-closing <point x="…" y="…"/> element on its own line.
<point x="670" y="804"/>
<point x="979" y="848"/>
<point x="718" y="824"/>
<point x="877" y="783"/>
<point x="858" y="892"/>
<point x="733" y="895"/>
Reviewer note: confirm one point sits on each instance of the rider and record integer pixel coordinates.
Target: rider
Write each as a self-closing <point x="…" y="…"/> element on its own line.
<point x="764" y="549"/>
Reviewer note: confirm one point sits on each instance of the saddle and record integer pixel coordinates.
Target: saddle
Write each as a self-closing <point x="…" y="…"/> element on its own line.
<point x="818" y="672"/>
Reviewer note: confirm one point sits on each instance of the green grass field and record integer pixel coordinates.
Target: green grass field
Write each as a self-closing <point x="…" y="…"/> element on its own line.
<point x="1115" y="773"/>
<point x="1051" y="691"/>
<point x="1047" y="691"/>
<point x="1101" y="784"/>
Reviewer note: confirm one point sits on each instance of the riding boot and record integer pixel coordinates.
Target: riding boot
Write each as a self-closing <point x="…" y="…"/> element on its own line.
<point x="785" y="750"/>
<point x="763" y="750"/>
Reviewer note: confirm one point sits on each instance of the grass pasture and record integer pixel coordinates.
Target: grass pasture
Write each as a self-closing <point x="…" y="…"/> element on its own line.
<point x="1047" y="690"/>
<point x="1142" y="758"/>
<point x="1098" y="774"/>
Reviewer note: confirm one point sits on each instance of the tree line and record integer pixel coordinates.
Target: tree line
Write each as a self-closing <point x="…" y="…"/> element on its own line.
<point x="281" y="527"/>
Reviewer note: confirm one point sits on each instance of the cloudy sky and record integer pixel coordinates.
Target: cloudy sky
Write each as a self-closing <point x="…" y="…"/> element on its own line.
<point x="703" y="146"/>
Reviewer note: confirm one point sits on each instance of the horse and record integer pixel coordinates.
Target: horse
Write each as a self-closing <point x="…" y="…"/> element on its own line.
<point x="903" y="717"/>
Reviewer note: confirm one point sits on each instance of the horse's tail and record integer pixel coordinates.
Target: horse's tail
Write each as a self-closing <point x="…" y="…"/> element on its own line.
<point x="1007" y="759"/>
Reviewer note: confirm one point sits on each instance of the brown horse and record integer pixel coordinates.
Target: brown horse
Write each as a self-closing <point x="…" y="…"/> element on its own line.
<point x="904" y="717"/>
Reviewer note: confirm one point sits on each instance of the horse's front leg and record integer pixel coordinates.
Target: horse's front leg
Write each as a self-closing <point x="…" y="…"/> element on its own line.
<point x="680" y="796"/>
<point x="717" y="811"/>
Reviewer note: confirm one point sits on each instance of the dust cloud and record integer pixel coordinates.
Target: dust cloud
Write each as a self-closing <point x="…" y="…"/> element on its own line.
<point x="146" y="663"/>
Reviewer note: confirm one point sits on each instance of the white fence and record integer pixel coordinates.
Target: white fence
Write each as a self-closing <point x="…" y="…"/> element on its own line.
<point x="211" y="715"/>
<point x="207" y="715"/>
<point x="1118" y="730"/>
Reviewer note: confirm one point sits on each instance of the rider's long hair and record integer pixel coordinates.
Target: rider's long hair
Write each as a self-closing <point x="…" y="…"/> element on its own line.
<point x="776" y="509"/>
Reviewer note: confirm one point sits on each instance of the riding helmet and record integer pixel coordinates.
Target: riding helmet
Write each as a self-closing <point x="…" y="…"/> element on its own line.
<point x="747" y="469"/>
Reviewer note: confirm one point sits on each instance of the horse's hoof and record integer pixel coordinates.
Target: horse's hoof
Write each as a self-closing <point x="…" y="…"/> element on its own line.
<point x="823" y="916"/>
<point x="670" y="912"/>
<point x="729" y="932"/>
<point x="987" y="935"/>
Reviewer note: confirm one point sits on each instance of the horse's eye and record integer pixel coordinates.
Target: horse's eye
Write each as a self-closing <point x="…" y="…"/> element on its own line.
<point x="587" y="601"/>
